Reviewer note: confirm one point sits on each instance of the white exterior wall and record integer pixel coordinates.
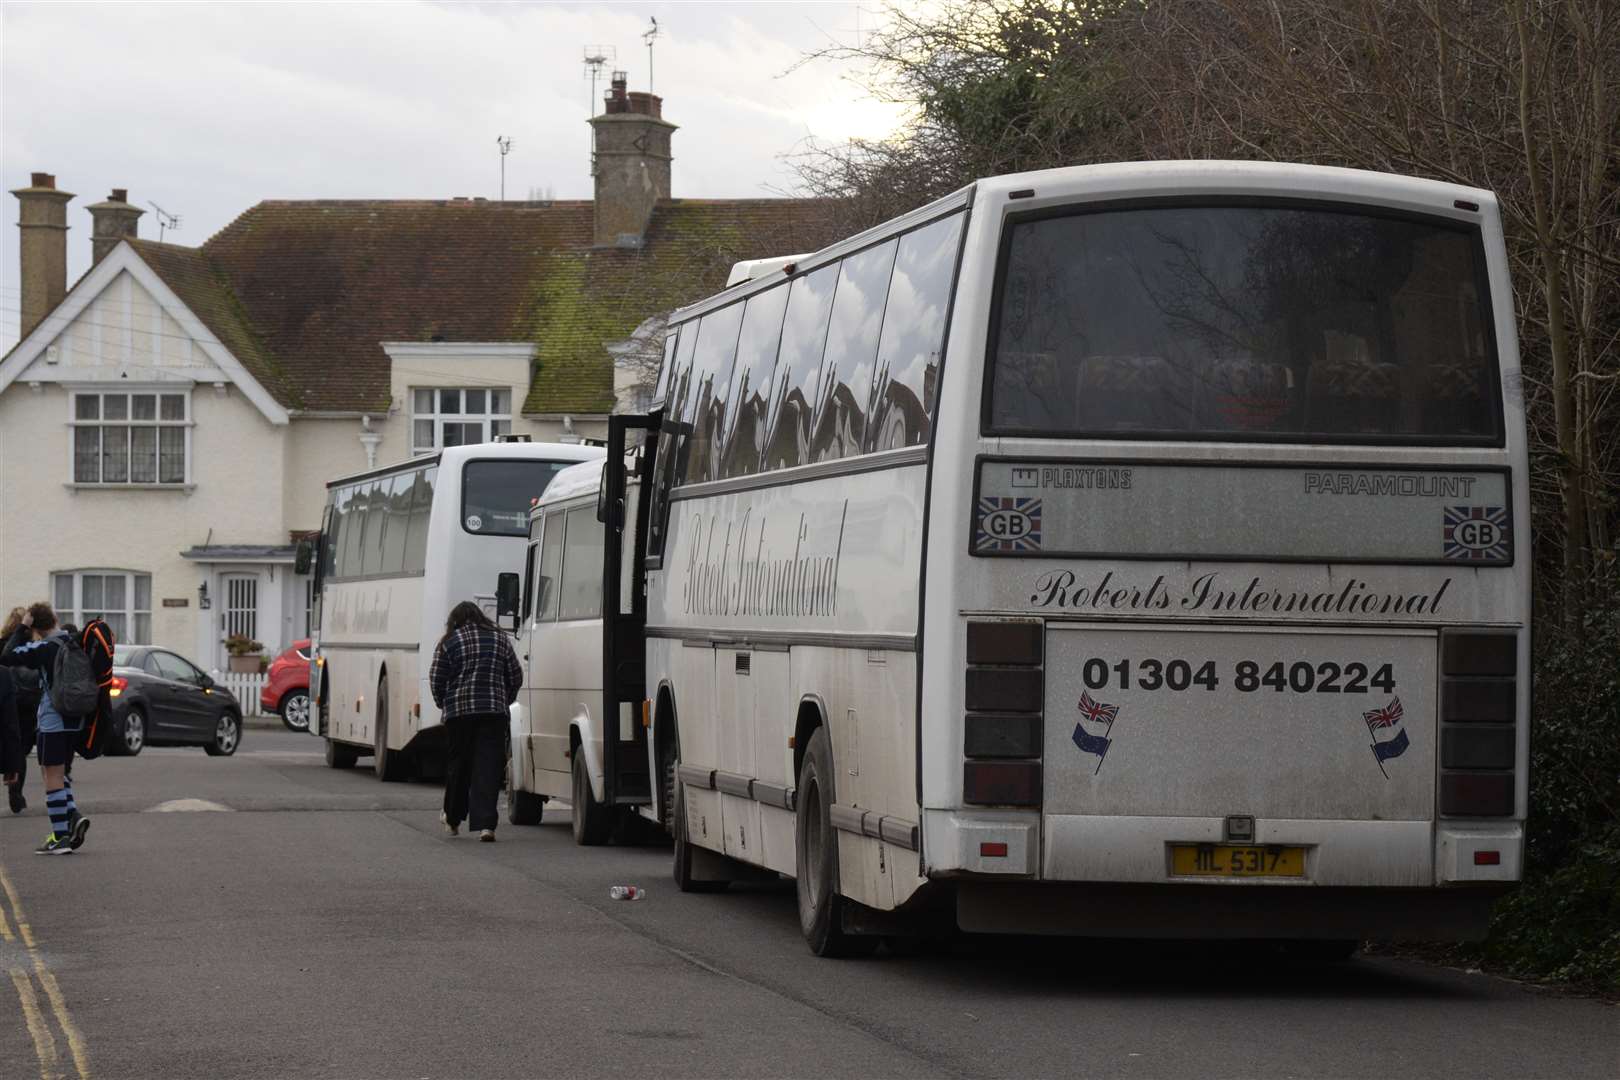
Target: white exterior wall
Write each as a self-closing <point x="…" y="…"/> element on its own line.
<point x="319" y="450"/>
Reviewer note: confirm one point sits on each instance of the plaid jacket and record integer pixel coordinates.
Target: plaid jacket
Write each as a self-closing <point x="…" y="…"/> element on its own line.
<point x="475" y="673"/>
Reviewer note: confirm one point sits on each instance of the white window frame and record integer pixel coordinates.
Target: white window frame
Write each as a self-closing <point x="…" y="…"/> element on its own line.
<point x="184" y="424"/>
<point x="78" y="614"/>
<point x="491" y="422"/>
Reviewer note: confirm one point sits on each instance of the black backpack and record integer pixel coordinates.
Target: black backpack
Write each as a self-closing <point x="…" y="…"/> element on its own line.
<point x="97" y="642"/>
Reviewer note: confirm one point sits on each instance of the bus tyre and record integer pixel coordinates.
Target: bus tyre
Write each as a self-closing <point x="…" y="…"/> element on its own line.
<point x="389" y="765"/>
<point x="340" y="755"/>
<point x="522" y="807"/>
<point x="821" y="908"/>
<point x="592" y="823"/>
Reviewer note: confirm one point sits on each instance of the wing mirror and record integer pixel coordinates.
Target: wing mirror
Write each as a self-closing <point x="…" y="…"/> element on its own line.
<point x="508" y="590"/>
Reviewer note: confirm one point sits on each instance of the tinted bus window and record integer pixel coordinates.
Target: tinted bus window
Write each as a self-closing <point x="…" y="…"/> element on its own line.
<point x="332" y="538"/>
<point x="398" y="506"/>
<point x="582" y="565"/>
<point x="751" y="382"/>
<point x="672" y="439"/>
<point x="350" y="559"/>
<point x="845" y="399"/>
<point x="496" y="494"/>
<point x="793" y="387"/>
<point x="376" y="525"/>
<point x="711" y="381"/>
<point x="913" y="335"/>
<point x="421" y="506"/>
<point x="547" y="583"/>
<point x="1243" y="322"/>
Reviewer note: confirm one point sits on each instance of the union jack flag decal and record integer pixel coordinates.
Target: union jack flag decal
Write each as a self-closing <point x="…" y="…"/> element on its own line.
<point x="1096" y="714"/>
<point x="1478" y="534"/>
<point x="1386" y="722"/>
<point x="1007" y="524"/>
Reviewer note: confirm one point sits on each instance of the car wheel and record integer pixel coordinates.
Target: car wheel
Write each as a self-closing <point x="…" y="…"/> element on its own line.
<point x="389" y="765"/>
<point x="132" y="740"/>
<point x="340" y="755"/>
<point x="295" y="710"/>
<point x="821" y="906"/>
<point x="591" y="820"/>
<point x="227" y="736"/>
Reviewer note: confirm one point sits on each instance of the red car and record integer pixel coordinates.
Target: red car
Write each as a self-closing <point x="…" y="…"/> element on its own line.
<point x="286" y="691"/>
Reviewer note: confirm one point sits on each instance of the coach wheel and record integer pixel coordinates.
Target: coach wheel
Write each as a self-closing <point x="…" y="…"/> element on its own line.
<point x="340" y="755"/>
<point x="389" y="765"/>
<point x="821" y="908"/>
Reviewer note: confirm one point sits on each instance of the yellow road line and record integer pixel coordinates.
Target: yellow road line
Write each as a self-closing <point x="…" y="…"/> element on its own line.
<point x="5" y="928"/>
<point x="44" y="1043"/>
<point x="53" y="991"/>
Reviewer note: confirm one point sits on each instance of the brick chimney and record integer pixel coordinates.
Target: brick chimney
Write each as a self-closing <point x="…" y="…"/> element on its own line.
<point x="631" y="163"/>
<point x="114" y="220"/>
<point x="42" y="218"/>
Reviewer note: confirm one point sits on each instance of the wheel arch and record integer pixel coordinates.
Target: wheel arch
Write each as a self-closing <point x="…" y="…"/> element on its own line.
<point x="812" y="715"/>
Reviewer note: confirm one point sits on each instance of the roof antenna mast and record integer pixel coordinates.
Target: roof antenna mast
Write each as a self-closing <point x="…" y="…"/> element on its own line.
<point x="597" y="58"/>
<point x="649" y="36"/>
<point x="165" y="219"/>
<point x="504" y="144"/>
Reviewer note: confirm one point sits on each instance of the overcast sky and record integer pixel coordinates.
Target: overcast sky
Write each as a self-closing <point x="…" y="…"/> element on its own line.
<point x="205" y="109"/>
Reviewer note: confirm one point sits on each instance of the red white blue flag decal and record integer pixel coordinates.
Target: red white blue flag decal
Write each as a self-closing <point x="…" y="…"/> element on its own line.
<point x="1094" y="715"/>
<point x="1005" y="524"/>
<point x="1477" y="534"/>
<point x="1388" y="734"/>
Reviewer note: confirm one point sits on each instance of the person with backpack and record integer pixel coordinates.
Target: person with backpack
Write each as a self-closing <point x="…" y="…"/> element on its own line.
<point x="71" y="696"/>
<point x="475" y="678"/>
<point x="28" y="689"/>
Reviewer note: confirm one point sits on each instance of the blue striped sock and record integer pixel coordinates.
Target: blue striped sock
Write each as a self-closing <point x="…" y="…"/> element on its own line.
<point x="72" y="807"/>
<point x="56" y="802"/>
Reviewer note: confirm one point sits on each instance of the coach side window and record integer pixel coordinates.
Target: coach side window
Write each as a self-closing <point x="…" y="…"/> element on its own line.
<point x="672" y="440"/>
<point x="804" y="335"/>
<point x="332" y="537"/>
<point x="354" y="530"/>
<point x="711" y="382"/>
<point x="416" y="536"/>
<point x="844" y="399"/>
<point x="751" y="382"/>
<point x="376" y="526"/>
<point x="907" y="379"/>
<point x="551" y="553"/>
<point x="582" y="566"/>
<point x="398" y="506"/>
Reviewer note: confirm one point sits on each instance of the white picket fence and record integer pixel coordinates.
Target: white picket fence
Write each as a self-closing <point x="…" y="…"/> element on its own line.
<point x="244" y="686"/>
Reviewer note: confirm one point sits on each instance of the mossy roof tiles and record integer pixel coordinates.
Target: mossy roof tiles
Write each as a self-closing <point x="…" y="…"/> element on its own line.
<point x="303" y="293"/>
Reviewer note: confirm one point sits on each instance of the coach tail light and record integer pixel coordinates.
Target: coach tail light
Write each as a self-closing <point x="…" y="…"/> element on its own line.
<point x="1478" y="734"/>
<point x="1003" y="730"/>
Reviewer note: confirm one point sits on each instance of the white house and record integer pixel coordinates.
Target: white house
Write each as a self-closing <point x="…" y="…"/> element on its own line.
<point x="168" y="424"/>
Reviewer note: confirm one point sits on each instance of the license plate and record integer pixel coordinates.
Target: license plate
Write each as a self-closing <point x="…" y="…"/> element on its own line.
<point x="1236" y="860"/>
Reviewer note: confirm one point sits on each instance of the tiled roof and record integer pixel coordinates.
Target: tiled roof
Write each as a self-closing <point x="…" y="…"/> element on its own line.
<point x="308" y="290"/>
<point x="200" y="286"/>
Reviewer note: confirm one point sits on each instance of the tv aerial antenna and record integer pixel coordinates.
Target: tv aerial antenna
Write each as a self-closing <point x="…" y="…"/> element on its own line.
<point x="166" y="220"/>
<point x="649" y="36"/>
<point x="597" y="58"/>
<point x="503" y="143"/>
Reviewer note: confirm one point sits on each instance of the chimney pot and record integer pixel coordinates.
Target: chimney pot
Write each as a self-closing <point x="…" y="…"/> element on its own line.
<point x="119" y="195"/>
<point x="41" y="179"/>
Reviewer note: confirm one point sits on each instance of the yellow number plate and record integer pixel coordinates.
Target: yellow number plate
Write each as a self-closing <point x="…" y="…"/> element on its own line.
<point x="1236" y="860"/>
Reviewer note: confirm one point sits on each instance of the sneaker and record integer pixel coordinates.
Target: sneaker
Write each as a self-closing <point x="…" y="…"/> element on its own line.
<point x="54" y="845"/>
<point x="15" y="796"/>
<point x="77" y="828"/>
<point x="487" y="836"/>
<point x="453" y="830"/>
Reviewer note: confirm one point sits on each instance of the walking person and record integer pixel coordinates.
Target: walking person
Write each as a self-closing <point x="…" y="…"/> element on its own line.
<point x="27" y="687"/>
<point x="56" y="734"/>
<point x="475" y="677"/>
<point x="12" y="754"/>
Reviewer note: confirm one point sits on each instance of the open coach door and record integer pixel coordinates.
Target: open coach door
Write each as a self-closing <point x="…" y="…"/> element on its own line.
<point x="626" y="776"/>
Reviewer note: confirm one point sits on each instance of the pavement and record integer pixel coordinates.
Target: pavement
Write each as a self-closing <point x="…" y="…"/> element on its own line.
<point x="265" y="916"/>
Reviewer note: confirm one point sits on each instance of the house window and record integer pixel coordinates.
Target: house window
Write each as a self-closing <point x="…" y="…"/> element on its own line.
<point x="130" y="438"/>
<point x="122" y="597"/>
<point x="446" y="416"/>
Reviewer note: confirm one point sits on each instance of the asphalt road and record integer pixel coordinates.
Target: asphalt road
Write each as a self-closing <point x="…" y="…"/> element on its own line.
<point x="321" y="926"/>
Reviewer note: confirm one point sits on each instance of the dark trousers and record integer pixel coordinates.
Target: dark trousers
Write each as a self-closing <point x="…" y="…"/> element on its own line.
<point x="11" y="748"/>
<point x="477" y="769"/>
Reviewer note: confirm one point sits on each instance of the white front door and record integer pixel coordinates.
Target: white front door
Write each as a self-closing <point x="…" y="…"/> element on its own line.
<point x="239" y="610"/>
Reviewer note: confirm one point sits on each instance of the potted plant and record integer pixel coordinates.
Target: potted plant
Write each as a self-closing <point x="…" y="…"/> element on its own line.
<point x="246" y="654"/>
